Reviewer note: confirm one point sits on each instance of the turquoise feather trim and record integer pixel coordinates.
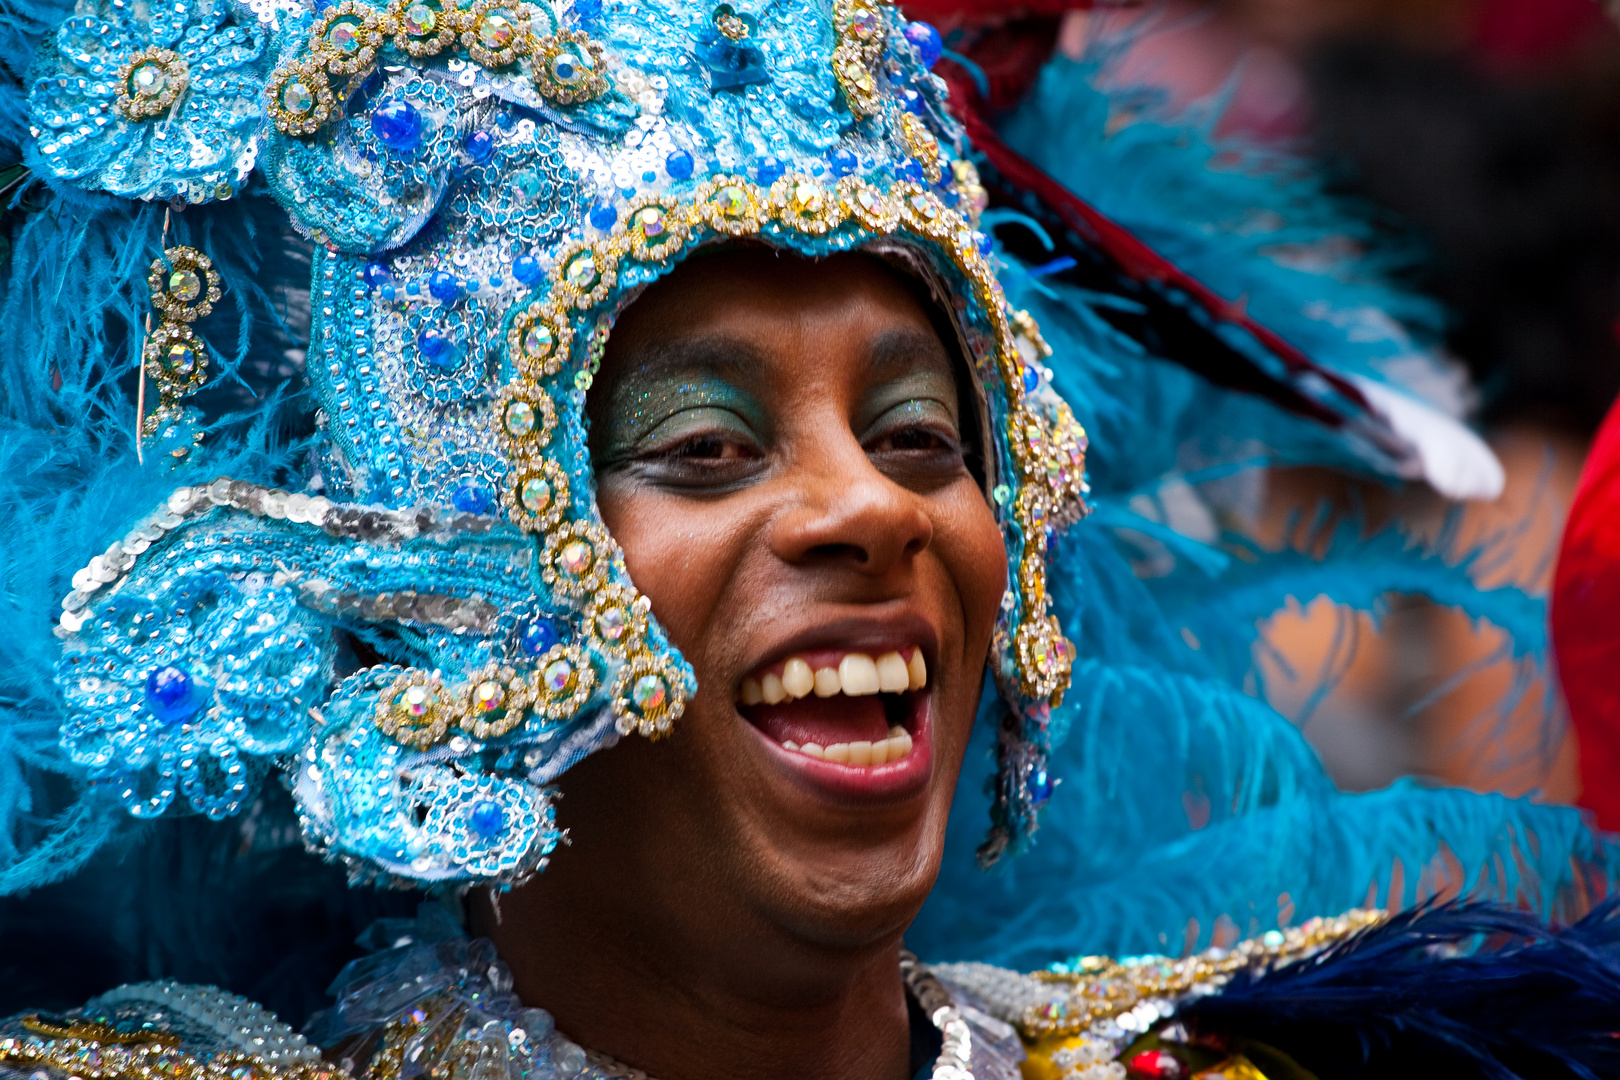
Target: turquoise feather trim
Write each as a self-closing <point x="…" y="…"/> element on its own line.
<point x="1184" y="798"/>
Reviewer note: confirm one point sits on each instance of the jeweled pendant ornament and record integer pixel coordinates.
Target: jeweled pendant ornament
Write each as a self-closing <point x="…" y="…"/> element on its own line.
<point x="184" y="289"/>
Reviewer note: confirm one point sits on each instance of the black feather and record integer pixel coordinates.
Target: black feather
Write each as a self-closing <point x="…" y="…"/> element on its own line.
<point x="1440" y="991"/>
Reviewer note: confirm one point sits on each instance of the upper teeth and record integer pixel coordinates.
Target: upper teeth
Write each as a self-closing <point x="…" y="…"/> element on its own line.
<point x="857" y="675"/>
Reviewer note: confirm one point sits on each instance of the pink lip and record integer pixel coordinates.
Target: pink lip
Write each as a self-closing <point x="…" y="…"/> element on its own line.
<point x="890" y="782"/>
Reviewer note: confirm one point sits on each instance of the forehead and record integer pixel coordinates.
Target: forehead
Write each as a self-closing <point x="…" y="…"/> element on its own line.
<point x="757" y="318"/>
<point x="755" y="288"/>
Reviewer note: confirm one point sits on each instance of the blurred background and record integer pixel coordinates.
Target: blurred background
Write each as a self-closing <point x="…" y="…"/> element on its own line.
<point x="1484" y="137"/>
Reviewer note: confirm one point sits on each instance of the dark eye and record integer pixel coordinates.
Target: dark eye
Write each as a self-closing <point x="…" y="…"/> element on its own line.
<point x="710" y="446"/>
<point x="913" y="439"/>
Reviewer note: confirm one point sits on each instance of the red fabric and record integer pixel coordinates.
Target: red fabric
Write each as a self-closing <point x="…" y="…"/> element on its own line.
<point x="1515" y="33"/>
<point x="952" y="13"/>
<point x="1586" y="622"/>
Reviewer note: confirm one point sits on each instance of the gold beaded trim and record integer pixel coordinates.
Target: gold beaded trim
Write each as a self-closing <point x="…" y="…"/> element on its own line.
<point x="551" y="49"/>
<point x="731" y="205"/>
<point x="175" y="358"/>
<point x="527" y="420"/>
<point x="416" y="709"/>
<point x="648" y="696"/>
<point x="141" y="106"/>
<point x="419" y="710"/>
<point x="655" y="227"/>
<point x="322" y="106"/>
<point x="1103" y="988"/>
<point x="617" y="616"/>
<point x="1046" y="442"/>
<point x="88" y="1057"/>
<point x="806" y="205"/>
<point x="539" y="340"/>
<point x="95" y="1031"/>
<point x="585" y="273"/>
<point x="440" y="35"/>
<point x="563" y="681"/>
<point x="493" y="702"/>
<point x="863" y="28"/>
<point x="576" y="558"/>
<point x="536" y="494"/>
<point x="450" y="27"/>
<point x="922" y="144"/>
<point x="365" y="24"/>
<point x="481" y="17"/>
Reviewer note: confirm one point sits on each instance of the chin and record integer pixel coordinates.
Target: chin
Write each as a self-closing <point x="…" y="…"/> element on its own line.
<point x="859" y="897"/>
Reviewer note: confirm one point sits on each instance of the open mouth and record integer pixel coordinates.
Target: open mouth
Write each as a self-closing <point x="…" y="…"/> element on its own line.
<point x="850" y="708"/>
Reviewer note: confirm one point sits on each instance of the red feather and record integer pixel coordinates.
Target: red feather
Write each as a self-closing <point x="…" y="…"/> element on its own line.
<point x="1586" y="623"/>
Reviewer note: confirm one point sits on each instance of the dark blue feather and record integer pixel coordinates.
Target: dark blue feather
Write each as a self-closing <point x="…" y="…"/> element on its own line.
<point x="1439" y="991"/>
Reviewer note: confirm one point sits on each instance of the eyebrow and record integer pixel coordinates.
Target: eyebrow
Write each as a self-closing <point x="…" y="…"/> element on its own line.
<point x="716" y="352"/>
<point x="892" y="352"/>
<point x="902" y="348"/>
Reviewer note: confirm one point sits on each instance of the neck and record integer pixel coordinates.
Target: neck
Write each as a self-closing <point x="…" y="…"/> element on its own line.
<point x="748" y="1004"/>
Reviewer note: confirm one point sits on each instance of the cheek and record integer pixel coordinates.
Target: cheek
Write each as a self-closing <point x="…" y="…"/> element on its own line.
<point x="680" y="554"/>
<point x="974" y="554"/>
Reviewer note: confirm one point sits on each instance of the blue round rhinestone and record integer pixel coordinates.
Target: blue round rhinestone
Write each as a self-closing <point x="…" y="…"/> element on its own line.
<point x="769" y="169"/>
<point x="377" y="275"/>
<point x="488" y="819"/>
<point x="566" y="67"/>
<point x="587" y="11"/>
<point x="1040" y="787"/>
<point x="444" y="286"/>
<point x="397" y="124"/>
<point x="539" y="636"/>
<point x="170" y="694"/>
<point x="925" y="39"/>
<point x="527" y="269"/>
<point x="505" y="121"/>
<point x="471" y="498"/>
<point x="843" y="161"/>
<point x="480" y="146"/>
<point x="913" y="101"/>
<point x="1032" y="378"/>
<point x="679" y="165"/>
<point x="910" y="169"/>
<point x="603" y="217"/>
<point x="436" y="348"/>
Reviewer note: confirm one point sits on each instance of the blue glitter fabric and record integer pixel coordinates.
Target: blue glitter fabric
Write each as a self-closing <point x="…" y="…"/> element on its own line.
<point x="151" y="101"/>
<point x="487" y="187"/>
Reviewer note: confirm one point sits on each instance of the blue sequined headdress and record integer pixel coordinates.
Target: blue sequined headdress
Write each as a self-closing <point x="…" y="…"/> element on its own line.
<point x="487" y="186"/>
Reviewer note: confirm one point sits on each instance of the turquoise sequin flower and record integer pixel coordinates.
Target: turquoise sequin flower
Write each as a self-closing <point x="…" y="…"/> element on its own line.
<point x="151" y="102"/>
<point x="166" y="694"/>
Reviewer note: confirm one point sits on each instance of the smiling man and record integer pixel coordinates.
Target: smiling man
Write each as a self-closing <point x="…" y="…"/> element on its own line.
<point x="690" y="486"/>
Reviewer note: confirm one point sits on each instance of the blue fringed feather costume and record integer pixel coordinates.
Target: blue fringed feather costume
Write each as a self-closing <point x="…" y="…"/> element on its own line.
<point x="301" y="304"/>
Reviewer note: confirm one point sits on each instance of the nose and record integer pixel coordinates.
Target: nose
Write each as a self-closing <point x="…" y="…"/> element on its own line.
<point x="841" y="510"/>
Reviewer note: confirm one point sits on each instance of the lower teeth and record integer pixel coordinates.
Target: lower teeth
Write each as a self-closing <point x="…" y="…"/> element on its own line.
<point x="862" y="754"/>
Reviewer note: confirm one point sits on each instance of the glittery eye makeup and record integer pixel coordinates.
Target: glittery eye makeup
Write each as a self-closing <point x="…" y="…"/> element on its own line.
<point x="683" y="418"/>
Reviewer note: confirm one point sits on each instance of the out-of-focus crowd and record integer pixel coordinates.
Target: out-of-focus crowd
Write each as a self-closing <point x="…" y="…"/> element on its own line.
<point x="1485" y="133"/>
